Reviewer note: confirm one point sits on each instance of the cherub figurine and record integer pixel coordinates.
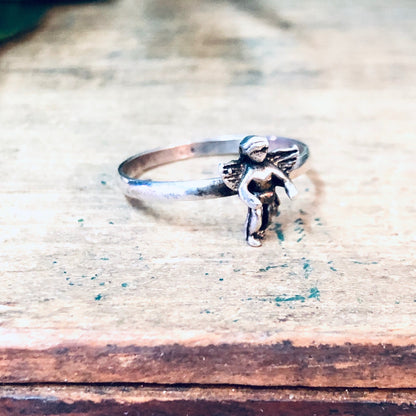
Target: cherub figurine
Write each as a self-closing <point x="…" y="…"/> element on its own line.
<point x="255" y="175"/>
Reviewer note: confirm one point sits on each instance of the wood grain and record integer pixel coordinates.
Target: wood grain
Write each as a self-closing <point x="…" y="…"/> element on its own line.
<point x="95" y="289"/>
<point x="164" y="400"/>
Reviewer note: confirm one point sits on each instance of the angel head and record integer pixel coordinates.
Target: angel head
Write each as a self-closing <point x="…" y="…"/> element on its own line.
<point x="255" y="148"/>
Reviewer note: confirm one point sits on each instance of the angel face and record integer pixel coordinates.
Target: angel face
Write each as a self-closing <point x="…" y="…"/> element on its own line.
<point x="255" y="147"/>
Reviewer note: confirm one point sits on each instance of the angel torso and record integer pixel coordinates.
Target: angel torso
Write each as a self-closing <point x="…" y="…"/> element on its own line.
<point x="260" y="176"/>
<point x="261" y="179"/>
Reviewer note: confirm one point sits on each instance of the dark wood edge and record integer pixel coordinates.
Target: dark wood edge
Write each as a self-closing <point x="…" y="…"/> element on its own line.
<point x="192" y="401"/>
<point x="280" y="364"/>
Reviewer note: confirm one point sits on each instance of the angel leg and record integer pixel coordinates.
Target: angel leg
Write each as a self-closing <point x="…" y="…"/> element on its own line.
<point x="274" y="207"/>
<point x="253" y="225"/>
<point x="265" y="218"/>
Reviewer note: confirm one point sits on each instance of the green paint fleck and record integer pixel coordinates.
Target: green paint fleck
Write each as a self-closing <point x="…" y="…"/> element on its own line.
<point x="206" y="273"/>
<point x="98" y="297"/>
<point x="299" y="239"/>
<point x="365" y="262"/>
<point x="267" y="268"/>
<point x="81" y="220"/>
<point x="279" y="232"/>
<point x="54" y="262"/>
<point x="235" y="320"/>
<point x="398" y="303"/>
<point x="102" y="283"/>
<point x="124" y="285"/>
<point x="104" y="258"/>
<point x="220" y="279"/>
<point x="236" y="270"/>
<point x="103" y="183"/>
<point x="110" y="222"/>
<point x="314" y="293"/>
<point x="284" y="298"/>
<point x="307" y="268"/>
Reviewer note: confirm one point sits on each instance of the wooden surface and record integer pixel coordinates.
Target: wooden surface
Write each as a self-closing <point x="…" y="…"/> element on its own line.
<point x="95" y="289"/>
<point x="197" y="401"/>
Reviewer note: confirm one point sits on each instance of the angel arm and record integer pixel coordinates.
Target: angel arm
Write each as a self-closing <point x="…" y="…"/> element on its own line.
<point x="245" y="195"/>
<point x="290" y="189"/>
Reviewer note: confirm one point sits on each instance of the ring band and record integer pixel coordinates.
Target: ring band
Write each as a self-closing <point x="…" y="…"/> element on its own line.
<point x="147" y="190"/>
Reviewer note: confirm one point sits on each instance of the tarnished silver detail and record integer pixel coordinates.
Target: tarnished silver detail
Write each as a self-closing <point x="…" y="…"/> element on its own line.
<point x="255" y="176"/>
<point x="264" y="163"/>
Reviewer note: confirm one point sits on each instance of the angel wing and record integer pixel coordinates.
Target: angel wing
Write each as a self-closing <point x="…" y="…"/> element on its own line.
<point x="285" y="160"/>
<point x="232" y="173"/>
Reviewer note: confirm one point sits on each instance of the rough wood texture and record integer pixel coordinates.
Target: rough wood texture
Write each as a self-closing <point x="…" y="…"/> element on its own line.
<point x="193" y="401"/>
<point x="95" y="289"/>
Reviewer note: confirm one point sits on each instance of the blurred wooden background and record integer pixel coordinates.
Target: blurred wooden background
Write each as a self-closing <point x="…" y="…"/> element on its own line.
<point x="95" y="290"/>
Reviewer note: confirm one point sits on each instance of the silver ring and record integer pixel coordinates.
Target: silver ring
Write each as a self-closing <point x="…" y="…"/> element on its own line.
<point x="263" y="163"/>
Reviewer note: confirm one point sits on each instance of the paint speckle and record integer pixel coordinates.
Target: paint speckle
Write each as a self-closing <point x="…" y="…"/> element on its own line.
<point x="98" y="297"/>
<point x="206" y="273"/>
<point x="307" y="268"/>
<point x="279" y="232"/>
<point x="103" y="183"/>
<point x="332" y="268"/>
<point x="102" y="283"/>
<point x="236" y="270"/>
<point x="81" y="220"/>
<point x="220" y="279"/>
<point x="267" y="268"/>
<point x="104" y="258"/>
<point x="110" y="222"/>
<point x="284" y="298"/>
<point x="318" y="221"/>
<point x="124" y="284"/>
<point x="365" y="262"/>
<point x="314" y="293"/>
<point x="299" y="229"/>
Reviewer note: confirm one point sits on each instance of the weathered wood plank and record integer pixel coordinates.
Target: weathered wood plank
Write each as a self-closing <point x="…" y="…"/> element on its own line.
<point x="145" y="400"/>
<point x="93" y="289"/>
